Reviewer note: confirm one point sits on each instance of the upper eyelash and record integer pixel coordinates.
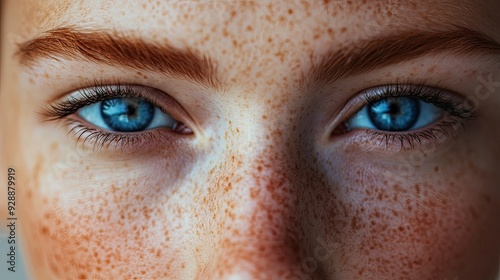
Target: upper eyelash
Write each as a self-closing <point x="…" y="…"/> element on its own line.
<point x="90" y="95"/>
<point x="453" y="104"/>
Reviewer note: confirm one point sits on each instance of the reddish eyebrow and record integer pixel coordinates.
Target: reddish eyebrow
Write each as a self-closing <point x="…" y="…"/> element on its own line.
<point x="363" y="56"/>
<point x="115" y="49"/>
<point x="359" y="57"/>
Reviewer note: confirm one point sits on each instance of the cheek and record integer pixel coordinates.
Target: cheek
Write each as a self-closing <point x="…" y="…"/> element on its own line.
<point x="431" y="227"/>
<point x="85" y="228"/>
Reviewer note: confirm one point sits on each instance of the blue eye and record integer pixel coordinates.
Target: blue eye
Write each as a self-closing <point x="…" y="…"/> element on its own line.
<point x="395" y="114"/>
<point x="126" y="115"/>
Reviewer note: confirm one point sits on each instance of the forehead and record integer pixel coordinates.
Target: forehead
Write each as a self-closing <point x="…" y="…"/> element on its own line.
<point x="234" y="32"/>
<point x="142" y="14"/>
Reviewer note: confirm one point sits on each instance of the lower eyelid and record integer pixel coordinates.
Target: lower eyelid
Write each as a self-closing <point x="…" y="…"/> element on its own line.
<point x="94" y="139"/>
<point x="443" y="130"/>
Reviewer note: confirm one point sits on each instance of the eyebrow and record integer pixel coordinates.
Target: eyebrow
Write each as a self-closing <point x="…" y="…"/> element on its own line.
<point x="116" y="49"/>
<point x="364" y="56"/>
<point x="359" y="57"/>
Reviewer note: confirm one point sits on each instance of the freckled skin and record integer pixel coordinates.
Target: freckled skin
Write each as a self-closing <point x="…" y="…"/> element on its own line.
<point x="260" y="193"/>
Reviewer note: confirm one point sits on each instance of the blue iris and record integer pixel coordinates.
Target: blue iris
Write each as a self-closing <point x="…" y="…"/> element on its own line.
<point x="127" y="114"/>
<point x="394" y="113"/>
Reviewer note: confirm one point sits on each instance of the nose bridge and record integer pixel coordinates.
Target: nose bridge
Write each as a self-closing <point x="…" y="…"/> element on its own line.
<point x="261" y="234"/>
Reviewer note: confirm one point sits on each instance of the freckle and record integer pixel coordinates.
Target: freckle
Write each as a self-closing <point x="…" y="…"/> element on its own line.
<point x="395" y="213"/>
<point x="53" y="147"/>
<point x="44" y="230"/>
<point x="343" y="29"/>
<point x="82" y="276"/>
<point x="436" y="169"/>
<point x="417" y="188"/>
<point x="264" y="117"/>
<point x="354" y="223"/>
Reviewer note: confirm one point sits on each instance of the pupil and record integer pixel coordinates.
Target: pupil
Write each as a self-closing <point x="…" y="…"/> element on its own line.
<point x="394" y="113"/>
<point x="127" y="114"/>
<point x="131" y="110"/>
<point x="394" y="109"/>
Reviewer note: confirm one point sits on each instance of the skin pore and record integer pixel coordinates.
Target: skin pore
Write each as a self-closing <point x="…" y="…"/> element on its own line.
<point x="265" y="186"/>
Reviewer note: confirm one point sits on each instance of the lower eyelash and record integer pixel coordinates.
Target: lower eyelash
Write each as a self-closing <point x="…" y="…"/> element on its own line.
<point x="436" y="134"/>
<point x="98" y="139"/>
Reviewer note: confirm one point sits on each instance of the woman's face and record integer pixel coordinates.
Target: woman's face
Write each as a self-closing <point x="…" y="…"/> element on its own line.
<point x="254" y="139"/>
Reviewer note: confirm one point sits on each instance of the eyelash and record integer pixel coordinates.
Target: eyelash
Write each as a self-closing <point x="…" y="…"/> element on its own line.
<point x="453" y="104"/>
<point x="91" y="94"/>
<point x="97" y="92"/>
